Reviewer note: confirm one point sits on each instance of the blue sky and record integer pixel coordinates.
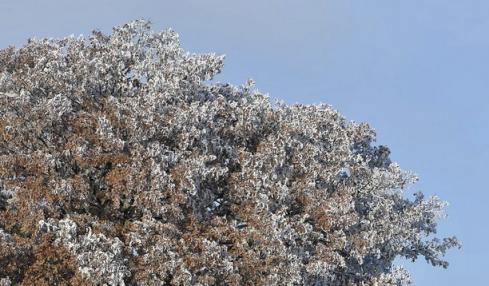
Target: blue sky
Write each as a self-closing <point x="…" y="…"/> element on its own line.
<point x="417" y="71"/>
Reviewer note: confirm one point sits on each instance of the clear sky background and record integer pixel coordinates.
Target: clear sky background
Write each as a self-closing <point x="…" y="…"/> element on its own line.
<point x="417" y="71"/>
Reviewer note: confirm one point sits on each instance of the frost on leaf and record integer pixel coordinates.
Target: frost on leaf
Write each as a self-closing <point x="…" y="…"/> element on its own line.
<point x="122" y="163"/>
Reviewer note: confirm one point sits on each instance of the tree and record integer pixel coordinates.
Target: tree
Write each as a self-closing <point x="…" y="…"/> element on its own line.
<point x="121" y="163"/>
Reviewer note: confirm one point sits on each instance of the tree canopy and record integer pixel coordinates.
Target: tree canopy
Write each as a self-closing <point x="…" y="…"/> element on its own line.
<point x="121" y="163"/>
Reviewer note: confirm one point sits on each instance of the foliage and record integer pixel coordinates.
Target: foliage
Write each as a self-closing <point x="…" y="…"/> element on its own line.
<point x="120" y="163"/>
